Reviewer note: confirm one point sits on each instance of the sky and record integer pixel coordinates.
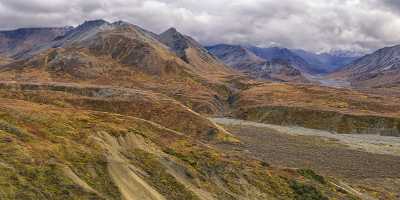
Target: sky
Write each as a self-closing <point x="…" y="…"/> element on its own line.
<point x="314" y="25"/>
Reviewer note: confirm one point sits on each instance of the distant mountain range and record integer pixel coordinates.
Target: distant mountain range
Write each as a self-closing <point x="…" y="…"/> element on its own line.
<point x="28" y="46"/>
<point x="245" y="60"/>
<point x="306" y="62"/>
<point x="282" y="54"/>
<point x="20" y="40"/>
<point x="327" y="62"/>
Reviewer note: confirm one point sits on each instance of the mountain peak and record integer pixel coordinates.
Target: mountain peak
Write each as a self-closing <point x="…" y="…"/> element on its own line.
<point x="175" y="40"/>
<point x="171" y="30"/>
<point x="122" y="23"/>
<point x="92" y="23"/>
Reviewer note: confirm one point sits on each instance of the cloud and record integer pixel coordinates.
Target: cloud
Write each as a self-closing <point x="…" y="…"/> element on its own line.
<point x="316" y="25"/>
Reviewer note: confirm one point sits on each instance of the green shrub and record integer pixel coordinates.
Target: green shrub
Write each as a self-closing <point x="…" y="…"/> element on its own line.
<point x="310" y="174"/>
<point x="306" y="192"/>
<point x="5" y="126"/>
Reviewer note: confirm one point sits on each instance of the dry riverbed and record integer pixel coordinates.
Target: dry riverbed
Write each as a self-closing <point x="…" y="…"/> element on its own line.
<point x="369" y="163"/>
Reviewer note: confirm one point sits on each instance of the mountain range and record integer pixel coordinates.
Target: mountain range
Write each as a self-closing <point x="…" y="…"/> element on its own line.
<point x="244" y="60"/>
<point x="304" y="61"/>
<point x="20" y="40"/>
<point x="98" y="51"/>
<point x="25" y="46"/>
<point x="324" y="63"/>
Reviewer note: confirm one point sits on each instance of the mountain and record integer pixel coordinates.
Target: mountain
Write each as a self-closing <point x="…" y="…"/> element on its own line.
<point x="244" y="60"/>
<point x="327" y="62"/>
<point x="193" y="53"/>
<point x="282" y="54"/>
<point x="379" y="69"/>
<point x="237" y="56"/>
<point x="20" y="40"/>
<point x="123" y="55"/>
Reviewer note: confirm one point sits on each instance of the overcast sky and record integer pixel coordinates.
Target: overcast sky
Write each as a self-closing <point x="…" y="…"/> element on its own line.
<point x="317" y="25"/>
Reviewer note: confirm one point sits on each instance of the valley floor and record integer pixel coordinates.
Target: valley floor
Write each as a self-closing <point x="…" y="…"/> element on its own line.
<point x="365" y="161"/>
<point x="329" y="82"/>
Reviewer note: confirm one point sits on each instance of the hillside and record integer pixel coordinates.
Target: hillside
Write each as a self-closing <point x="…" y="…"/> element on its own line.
<point x="194" y="54"/>
<point x="379" y="69"/>
<point x="95" y="143"/>
<point x="73" y="141"/>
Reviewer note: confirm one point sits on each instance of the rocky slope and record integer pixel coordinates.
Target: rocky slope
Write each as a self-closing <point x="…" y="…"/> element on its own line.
<point x="379" y="69"/>
<point x="194" y="53"/>
<point x="244" y="60"/>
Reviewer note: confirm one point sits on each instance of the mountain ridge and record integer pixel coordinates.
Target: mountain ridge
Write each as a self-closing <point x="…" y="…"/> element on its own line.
<point x="378" y="69"/>
<point x="244" y="60"/>
<point x="13" y="42"/>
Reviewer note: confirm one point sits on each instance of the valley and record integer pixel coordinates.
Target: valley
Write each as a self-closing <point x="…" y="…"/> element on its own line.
<point x="358" y="159"/>
<point x="109" y="110"/>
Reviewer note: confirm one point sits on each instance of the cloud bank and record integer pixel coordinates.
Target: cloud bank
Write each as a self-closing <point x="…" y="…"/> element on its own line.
<point x="316" y="25"/>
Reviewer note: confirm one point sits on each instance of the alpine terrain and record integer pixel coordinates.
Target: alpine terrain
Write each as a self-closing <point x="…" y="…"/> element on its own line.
<point x="110" y="110"/>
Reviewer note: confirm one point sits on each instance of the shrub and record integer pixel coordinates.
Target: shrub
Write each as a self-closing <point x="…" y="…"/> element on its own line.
<point x="306" y="192"/>
<point x="310" y="174"/>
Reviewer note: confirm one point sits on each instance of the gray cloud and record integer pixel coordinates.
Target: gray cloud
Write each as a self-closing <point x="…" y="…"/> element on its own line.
<point x="316" y="25"/>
